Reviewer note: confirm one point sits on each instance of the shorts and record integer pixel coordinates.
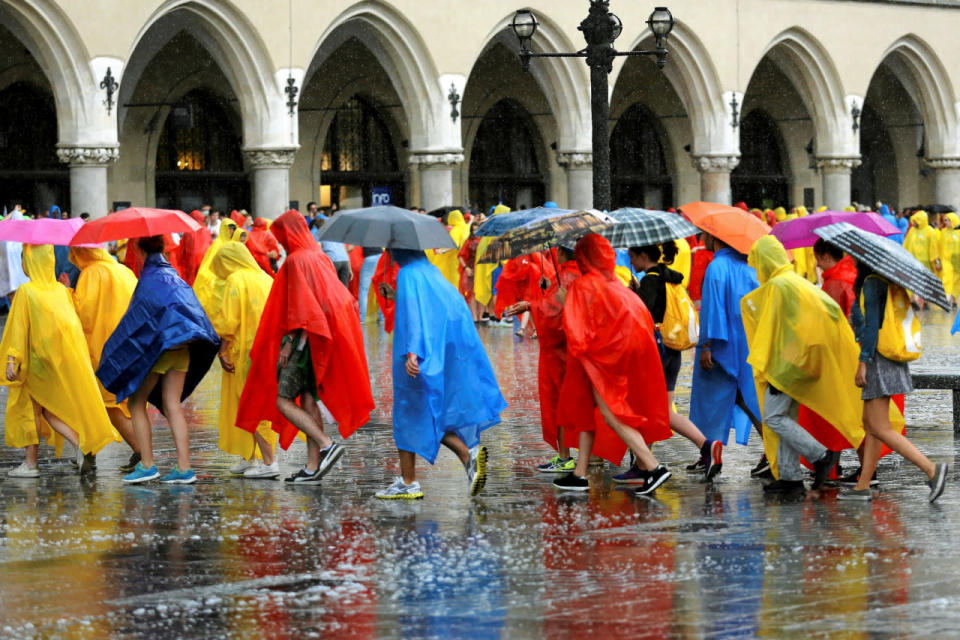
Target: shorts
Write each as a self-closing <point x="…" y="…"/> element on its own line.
<point x="172" y="360"/>
<point x="297" y="377"/>
<point x="671" y="360"/>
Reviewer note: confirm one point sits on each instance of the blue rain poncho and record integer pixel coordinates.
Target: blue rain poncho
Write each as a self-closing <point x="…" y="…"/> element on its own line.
<point x="456" y="391"/>
<point x="713" y="397"/>
<point x="164" y="314"/>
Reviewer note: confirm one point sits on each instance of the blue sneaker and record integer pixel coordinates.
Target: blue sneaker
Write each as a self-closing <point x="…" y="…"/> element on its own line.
<point x="141" y="474"/>
<point x="634" y="475"/>
<point x="179" y="477"/>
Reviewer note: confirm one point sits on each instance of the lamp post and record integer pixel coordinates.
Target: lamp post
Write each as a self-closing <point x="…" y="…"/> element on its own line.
<point x="600" y="28"/>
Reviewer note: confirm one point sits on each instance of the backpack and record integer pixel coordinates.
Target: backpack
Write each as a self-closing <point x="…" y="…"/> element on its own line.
<point x="681" y="324"/>
<point x="899" y="337"/>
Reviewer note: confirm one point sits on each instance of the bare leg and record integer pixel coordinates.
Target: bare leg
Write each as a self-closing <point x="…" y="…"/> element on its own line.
<point x="33" y="453"/>
<point x="562" y="451"/>
<point x="408" y="466"/>
<point x="124" y="427"/>
<point x="454" y="443"/>
<point x="876" y="419"/>
<point x="62" y="428"/>
<point x="630" y="436"/>
<point x="682" y="425"/>
<point x="137" y="403"/>
<point x="583" y="458"/>
<point x="265" y="449"/>
<point x="305" y="419"/>
<point x="171" y="383"/>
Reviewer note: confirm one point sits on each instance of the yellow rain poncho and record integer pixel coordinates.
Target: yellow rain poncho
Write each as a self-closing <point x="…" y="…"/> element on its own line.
<point x="207" y="286"/>
<point x="799" y="255"/>
<point x="780" y="213"/>
<point x="810" y="260"/>
<point x="683" y="260"/>
<point x="102" y="295"/>
<point x="950" y="255"/>
<point x="246" y="288"/>
<point x="448" y="260"/>
<point x="801" y="343"/>
<point x="921" y="241"/>
<point x="483" y="273"/>
<point x="44" y="336"/>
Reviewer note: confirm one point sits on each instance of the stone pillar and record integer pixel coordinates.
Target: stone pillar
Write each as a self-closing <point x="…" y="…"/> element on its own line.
<point x="715" y="177"/>
<point x="579" y="168"/>
<point x="269" y="170"/>
<point x="436" y="178"/>
<point x="836" y="180"/>
<point x="88" y="177"/>
<point x="946" y="180"/>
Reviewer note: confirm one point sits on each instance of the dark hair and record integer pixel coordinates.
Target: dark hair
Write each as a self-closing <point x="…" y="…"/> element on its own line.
<point x="84" y="215"/>
<point x="311" y="204"/>
<point x="668" y="251"/>
<point x="566" y="252"/>
<point x="824" y="248"/>
<point x="151" y="244"/>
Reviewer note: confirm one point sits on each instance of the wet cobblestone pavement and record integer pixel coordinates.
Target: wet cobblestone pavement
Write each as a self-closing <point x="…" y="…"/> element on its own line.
<point x="233" y="558"/>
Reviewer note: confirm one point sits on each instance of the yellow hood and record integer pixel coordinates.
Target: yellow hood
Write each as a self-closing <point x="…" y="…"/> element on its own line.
<point x="780" y="213"/>
<point x="232" y="257"/>
<point x="39" y="263"/>
<point x="769" y="258"/>
<point x="920" y="220"/>
<point x="83" y="257"/>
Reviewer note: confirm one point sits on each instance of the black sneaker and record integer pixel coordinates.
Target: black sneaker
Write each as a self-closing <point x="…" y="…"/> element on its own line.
<point x="939" y="480"/>
<point x="852" y="478"/>
<point x="822" y="467"/>
<point x="784" y="486"/>
<point x="762" y="467"/>
<point x="89" y="464"/>
<point x="712" y="452"/>
<point x="571" y="482"/>
<point x="656" y="478"/>
<point x="131" y="464"/>
<point x="699" y="465"/>
<point x="328" y="458"/>
<point x="303" y="476"/>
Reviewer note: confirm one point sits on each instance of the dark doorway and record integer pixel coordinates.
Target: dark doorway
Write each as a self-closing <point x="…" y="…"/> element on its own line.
<point x="759" y="179"/>
<point x="876" y="177"/>
<point x="639" y="176"/>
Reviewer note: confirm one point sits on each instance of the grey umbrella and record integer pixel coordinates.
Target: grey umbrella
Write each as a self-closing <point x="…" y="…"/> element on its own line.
<point x="888" y="259"/>
<point x="387" y="227"/>
<point x="644" y="227"/>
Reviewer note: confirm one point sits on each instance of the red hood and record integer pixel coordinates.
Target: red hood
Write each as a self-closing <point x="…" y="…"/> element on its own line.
<point x="845" y="271"/>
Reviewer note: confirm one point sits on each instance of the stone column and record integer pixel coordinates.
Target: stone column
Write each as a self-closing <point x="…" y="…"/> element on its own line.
<point x="269" y="170"/>
<point x="579" y="168"/>
<point x="715" y="177"/>
<point x="88" y="177"/>
<point x="436" y="178"/>
<point x="946" y="180"/>
<point x="836" y="180"/>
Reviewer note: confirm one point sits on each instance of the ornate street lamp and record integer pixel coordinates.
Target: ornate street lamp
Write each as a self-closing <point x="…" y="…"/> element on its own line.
<point x="600" y="28"/>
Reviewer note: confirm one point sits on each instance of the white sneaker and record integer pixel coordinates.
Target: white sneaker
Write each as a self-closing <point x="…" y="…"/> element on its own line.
<point x="241" y="467"/>
<point x="260" y="470"/>
<point x="24" y="471"/>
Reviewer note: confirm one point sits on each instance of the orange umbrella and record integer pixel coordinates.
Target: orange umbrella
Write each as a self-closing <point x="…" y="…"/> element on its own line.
<point x="733" y="226"/>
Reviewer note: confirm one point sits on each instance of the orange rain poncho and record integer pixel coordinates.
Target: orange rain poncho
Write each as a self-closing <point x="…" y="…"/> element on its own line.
<point x="610" y="348"/>
<point x="207" y="286"/>
<point x="246" y="288"/>
<point x="46" y="339"/>
<point x="448" y="260"/>
<point x="801" y="343"/>
<point x="922" y="241"/>
<point x="101" y="297"/>
<point x="483" y="273"/>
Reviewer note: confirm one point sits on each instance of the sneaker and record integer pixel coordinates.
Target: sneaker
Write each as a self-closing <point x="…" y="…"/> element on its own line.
<point x="302" y="476"/>
<point x="699" y="465"/>
<point x="329" y="457"/>
<point x="88" y="464"/>
<point x="822" y="467"/>
<point x="571" y="482"/>
<point x="762" y="467"/>
<point x="399" y="490"/>
<point x="141" y="474"/>
<point x="654" y="479"/>
<point x="855" y="495"/>
<point x="179" y="477"/>
<point x="477" y="469"/>
<point x="939" y="480"/>
<point x="24" y="471"/>
<point x="633" y="475"/>
<point x="784" y="486"/>
<point x="240" y="467"/>
<point x="712" y="454"/>
<point x="852" y="478"/>
<point x="130" y="464"/>
<point x="263" y="471"/>
<point x="557" y="465"/>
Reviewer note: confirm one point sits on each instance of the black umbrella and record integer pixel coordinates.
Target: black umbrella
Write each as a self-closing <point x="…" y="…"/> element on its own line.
<point x="387" y="227"/>
<point x="887" y="258"/>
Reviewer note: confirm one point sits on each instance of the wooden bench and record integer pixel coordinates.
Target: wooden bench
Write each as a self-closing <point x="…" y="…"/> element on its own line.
<point x="942" y="381"/>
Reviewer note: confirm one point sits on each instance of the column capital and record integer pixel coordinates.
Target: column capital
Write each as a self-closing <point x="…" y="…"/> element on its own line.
<point x="942" y="163"/>
<point x="575" y="159"/>
<point x="269" y="157"/>
<point x="716" y="164"/>
<point x="838" y="164"/>
<point x="88" y="155"/>
<point x="444" y="158"/>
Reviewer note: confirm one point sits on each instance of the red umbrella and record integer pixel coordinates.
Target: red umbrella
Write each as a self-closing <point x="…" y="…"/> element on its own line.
<point x="42" y="231"/>
<point x="136" y="222"/>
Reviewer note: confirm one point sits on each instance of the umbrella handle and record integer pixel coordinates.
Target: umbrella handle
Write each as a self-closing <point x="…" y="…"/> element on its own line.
<point x="556" y="265"/>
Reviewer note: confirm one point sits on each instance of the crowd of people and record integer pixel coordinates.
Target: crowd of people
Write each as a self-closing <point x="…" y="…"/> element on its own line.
<point x="793" y="345"/>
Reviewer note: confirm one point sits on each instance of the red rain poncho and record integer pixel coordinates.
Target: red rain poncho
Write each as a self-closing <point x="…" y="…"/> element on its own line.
<point x="386" y="273"/>
<point x="838" y="283"/>
<point x="520" y="279"/>
<point x="133" y="259"/>
<point x="699" y="262"/>
<point x="260" y="242"/>
<point x="306" y="294"/>
<point x="237" y="217"/>
<point x="356" y="263"/>
<point x="610" y="348"/>
<point x="547" y="313"/>
<point x="193" y="246"/>
<point x="468" y="256"/>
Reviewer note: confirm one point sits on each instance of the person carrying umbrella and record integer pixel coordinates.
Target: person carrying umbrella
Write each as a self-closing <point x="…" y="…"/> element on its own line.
<point x="308" y="348"/>
<point x="53" y="393"/>
<point x="435" y="350"/>
<point x="193" y="248"/>
<point x="483" y="284"/>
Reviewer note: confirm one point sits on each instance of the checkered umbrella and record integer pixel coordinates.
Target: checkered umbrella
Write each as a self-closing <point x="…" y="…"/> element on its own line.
<point x="888" y="259"/>
<point x="544" y="234"/>
<point x="501" y="223"/>
<point x="645" y="227"/>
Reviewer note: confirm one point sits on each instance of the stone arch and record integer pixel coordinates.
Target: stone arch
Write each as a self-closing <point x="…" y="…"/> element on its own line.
<point x="237" y="48"/>
<point x="46" y="31"/>
<point x="400" y="50"/>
